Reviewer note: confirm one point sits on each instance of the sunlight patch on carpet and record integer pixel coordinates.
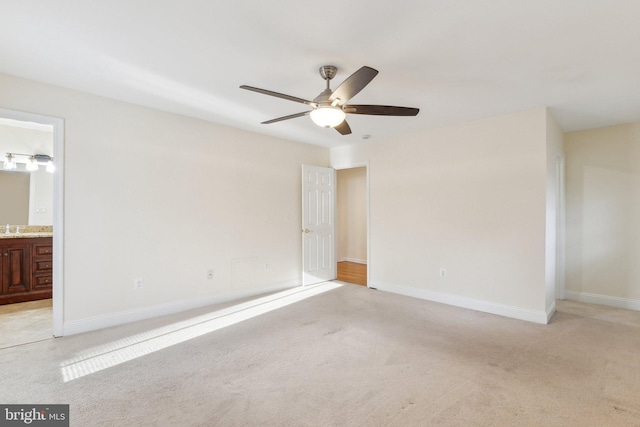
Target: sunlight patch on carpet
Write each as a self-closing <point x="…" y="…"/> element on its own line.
<point x="112" y="354"/>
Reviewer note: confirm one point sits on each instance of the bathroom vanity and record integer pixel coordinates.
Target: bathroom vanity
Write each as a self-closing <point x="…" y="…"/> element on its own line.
<point x="26" y="267"/>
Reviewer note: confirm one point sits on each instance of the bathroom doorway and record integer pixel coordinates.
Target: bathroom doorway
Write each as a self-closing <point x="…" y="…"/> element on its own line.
<point x="31" y="149"/>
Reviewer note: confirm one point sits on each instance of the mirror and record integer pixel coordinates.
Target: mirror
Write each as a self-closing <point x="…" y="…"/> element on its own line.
<point x="26" y="198"/>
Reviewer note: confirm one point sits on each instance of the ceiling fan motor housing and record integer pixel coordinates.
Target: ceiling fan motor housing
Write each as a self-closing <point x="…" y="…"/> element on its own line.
<point x="327" y="72"/>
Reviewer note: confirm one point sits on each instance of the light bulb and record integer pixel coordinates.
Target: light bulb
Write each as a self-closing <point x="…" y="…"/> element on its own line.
<point x="50" y="167"/>
<point x="32" y="164"/>
<point x="327" y="116"/>
<point x="9" y="163"/>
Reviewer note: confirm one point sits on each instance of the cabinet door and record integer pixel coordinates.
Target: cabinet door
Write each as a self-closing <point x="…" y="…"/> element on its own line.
<point x="16" y="271"/>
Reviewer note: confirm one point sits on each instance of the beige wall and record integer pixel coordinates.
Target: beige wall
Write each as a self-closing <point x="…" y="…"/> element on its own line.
<point x="23" y="140"/>
<point x="165" y="197"/>
<point x="14" y="198"/>
<point x="352" y="214"/>
<point x="41" y="197"/>
<point x="469" y="198"/>
<point x="603" y="208"/>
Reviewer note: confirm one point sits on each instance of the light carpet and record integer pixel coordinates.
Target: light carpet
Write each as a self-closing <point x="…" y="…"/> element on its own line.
<point x="351" y="356"/>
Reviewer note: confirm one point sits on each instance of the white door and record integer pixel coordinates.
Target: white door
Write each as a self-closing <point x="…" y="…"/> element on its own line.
<point x="318" y="227"/>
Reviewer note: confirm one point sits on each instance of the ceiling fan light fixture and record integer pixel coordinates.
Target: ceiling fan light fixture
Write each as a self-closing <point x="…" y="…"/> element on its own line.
<point x="327" y="116"/>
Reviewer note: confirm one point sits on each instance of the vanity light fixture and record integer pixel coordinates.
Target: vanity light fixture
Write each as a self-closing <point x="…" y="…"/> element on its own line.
<point x="31" y="161"/>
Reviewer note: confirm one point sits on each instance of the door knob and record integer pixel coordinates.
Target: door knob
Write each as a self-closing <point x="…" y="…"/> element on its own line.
<point x="306" y="230"/>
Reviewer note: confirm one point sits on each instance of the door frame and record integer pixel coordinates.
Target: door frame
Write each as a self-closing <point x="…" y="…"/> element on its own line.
<point x="365" y="165"/>
<point x="560" y="227"/>
<point x="58" y="209"/>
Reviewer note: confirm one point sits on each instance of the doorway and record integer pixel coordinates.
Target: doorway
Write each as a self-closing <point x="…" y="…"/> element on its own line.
<point x="54" y="213"/>
<point x="352" y="225"/>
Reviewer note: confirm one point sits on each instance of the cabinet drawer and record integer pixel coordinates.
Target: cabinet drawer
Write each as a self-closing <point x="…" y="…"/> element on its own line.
<point x="42" y="282"/>
<point x="42" y="249"/>
<point x="42" y="265"/>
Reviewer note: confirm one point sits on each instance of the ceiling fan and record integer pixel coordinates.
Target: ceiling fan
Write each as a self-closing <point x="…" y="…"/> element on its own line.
<point x="330" y="108"/>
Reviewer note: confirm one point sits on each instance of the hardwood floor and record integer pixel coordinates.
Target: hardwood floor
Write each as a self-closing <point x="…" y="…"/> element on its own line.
<point x="352" y="272"/>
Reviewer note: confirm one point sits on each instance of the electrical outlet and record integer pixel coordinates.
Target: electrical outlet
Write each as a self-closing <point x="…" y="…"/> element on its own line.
<point x="210" y="274"/>
<point x="137" y="283"/>
<point x="443" y="272"/>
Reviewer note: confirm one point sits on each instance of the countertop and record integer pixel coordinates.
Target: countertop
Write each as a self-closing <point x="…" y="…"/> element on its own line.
<point x="25" y="235"/>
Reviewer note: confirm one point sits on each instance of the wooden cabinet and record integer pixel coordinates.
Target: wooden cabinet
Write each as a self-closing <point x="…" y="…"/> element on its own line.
<point x="16" y="271"/>
<point x="26" y="269"/>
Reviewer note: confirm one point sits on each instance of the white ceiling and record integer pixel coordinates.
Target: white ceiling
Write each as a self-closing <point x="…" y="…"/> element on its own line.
<point x="456" y="60"/>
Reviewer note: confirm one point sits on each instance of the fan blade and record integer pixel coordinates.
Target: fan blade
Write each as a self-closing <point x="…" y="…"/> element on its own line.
<point x="381" y="110"/>
<point x="354" y="84"/>
<point x="279" y="119"/>
<point x="343" y="128"/>
<point x="278" y="95"/>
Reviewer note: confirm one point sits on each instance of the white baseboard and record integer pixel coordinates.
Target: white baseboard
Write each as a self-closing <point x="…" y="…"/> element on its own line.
<point x="122" y="317"/>
<point x="534" y="316"/>
<point x="357" y="261"/>
<point x="551" y="311"/>
<point x="617" y="302"/>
